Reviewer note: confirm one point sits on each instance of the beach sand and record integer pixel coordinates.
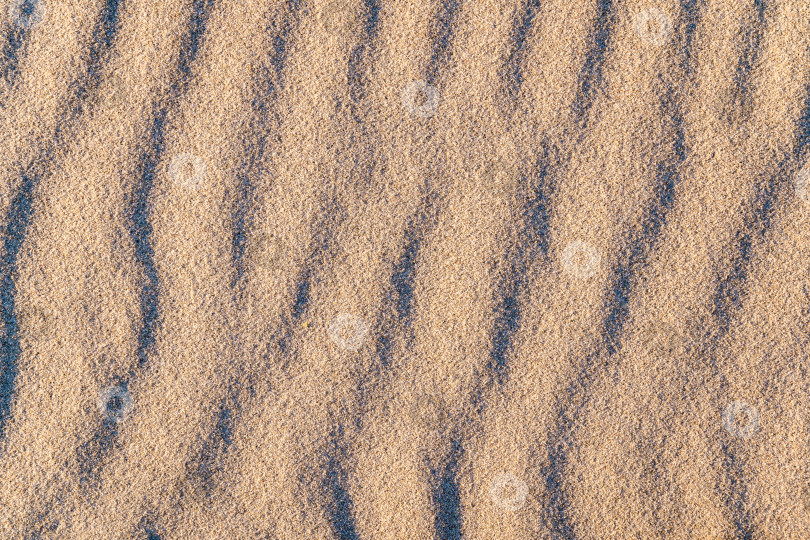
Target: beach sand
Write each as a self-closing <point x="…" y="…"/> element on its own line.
<point x="404" y="269"/>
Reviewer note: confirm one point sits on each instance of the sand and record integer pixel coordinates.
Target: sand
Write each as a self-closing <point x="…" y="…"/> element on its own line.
<point x="407" y="270"/>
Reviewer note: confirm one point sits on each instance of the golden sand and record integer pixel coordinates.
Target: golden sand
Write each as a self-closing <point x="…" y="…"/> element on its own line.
<point x="404" y="269"/>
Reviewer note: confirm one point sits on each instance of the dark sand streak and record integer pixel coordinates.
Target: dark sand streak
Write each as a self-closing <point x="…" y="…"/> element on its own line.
<point x="20" y="215"/>
<point x="92" y="452"/>
<point x="590" y="82"/>
<point x="337" y="500"/>
<point x="532" y="243"/>
<point x="590" y="78"/>
<point x="20" y="212"/>
<point x="18" y="221"/>
<point x="595" y="367"/>
<point x="361" y="54"/>
<point x="446" y="498"/>
<point x="442" y="37"/>
<point x="395" y="319"/>
<point x="729" y="298"/>
<point x="516" y="63"/>
<point x="254" y="144"/>
<point x="255" y="139"/>
<point x="402" y="278"/>
<point x="742" y="89"/>
<point x="13" y="45"/>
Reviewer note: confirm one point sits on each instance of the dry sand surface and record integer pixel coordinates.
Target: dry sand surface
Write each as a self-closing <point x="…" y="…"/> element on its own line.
<point x="404" y="269"/>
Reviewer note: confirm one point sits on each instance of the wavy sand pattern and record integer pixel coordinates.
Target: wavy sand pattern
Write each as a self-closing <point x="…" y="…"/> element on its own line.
<point x="404" y="269"/>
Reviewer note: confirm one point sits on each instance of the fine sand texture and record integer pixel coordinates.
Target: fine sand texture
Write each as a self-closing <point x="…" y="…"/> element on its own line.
<point x="404" y="269"/>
